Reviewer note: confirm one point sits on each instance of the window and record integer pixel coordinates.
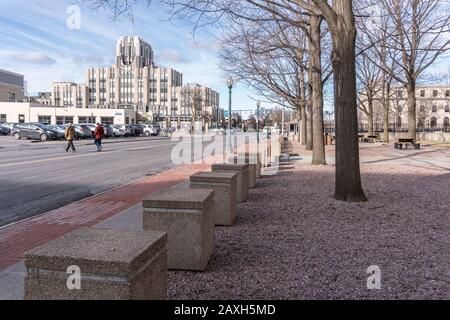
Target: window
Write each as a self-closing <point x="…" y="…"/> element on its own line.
<point x="45" y="119"/>
<point x="21" y="118"/>
<point x="433" y="122"/>
<point x="422" y="93"/>
<point x="399" y="94"/>
<point x="64" y="120"/>
<point x="422" y="108"/>
<point x="447" y="93"/>
<point x="434" y="108"/>
<point x="2" y="117"/>
<point x="447" y="108"/>
<point x="446" y="124"/>
<point x="107" y="120"/>
<point x="86" y="119"/>
<point x="435" y="93"/>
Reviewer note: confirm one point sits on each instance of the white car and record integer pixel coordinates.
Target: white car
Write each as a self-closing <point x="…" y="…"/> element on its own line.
<point x="150" y="130"/>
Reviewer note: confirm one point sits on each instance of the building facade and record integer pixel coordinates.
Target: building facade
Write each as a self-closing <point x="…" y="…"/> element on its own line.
<point x="135" y="83"/>
<point x="11" y="87"/>
<point x="432" y="110"/>
<point x="36" y="112"/>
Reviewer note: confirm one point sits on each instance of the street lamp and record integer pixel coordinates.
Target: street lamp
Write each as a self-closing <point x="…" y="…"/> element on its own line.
<point x="258" y="105"/>
<point x="230" y="83"/>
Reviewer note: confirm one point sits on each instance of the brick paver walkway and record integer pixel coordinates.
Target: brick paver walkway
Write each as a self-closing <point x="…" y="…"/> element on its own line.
<point x="17" y="238"/>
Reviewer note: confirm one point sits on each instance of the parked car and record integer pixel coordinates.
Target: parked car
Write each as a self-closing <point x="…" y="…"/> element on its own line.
<point x="35" y="131"/>
<point x="91" y="126"/>
<point x="150" y="130"/>
<point x="9" y="125"/>
<point x="4" y="130"/>
<point x="82" y="131"/>
<point x="59" y="128"/>
<point x="118" y="131"/>
<point x="109" y="131"/>
<point x="137" y="130"/>
<point x="126" y="129"/>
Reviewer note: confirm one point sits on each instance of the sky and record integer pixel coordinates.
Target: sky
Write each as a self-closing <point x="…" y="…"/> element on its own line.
<point x="39" y="39"/>
<point x="36" y="41"/>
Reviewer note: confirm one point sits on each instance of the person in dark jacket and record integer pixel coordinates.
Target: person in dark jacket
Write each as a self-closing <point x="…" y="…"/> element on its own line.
<point x="69" y="134"/>
<point x="99" y="133"/>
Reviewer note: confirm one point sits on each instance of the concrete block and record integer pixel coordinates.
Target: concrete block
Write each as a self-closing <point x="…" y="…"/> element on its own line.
<point x="224" y="184"/>
<point x="113" y="264"/>
<point x="242" y="179"/>
<point x="188" y="218"/>
<point x="254" y="166"/>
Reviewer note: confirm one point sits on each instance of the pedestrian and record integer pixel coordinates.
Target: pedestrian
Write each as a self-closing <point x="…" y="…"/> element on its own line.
<point x="99" y="133"/>
<point x="69" y="134"/>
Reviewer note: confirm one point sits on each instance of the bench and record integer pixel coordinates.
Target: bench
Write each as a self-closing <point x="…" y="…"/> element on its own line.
<point x="403" y="143"/>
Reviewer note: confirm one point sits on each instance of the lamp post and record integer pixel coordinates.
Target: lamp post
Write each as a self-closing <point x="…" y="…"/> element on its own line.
<point x="258" y="105"/>
<point x="230" y="83"/>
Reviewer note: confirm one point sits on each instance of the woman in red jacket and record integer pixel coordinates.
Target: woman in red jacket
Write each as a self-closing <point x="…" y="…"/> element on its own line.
<point x="99" y="133"/>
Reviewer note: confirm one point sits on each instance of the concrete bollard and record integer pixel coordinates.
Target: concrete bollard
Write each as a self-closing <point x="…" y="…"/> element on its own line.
<point x="99" y="264"/>
<point x="188" y="218"/>
<point x="242" y="179"/>
<point x="224" y="185"/>
<point x="253" y="163"/>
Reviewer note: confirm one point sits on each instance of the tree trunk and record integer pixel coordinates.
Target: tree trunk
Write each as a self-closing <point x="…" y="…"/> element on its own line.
<point x="318" y="157"/>
<point x="386" y="108"/>
<point x="348" y="176"/>
<point x="370" y="117"/>
<point x="411" y="88"/>
<point x="309" y="128"/>
<point x="303" y="127"/>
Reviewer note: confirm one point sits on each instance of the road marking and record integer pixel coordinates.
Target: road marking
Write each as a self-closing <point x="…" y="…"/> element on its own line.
<point x="76" y="156"/>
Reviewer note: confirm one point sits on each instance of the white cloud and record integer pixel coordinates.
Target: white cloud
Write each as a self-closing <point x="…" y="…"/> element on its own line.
<point x="171" y="56"/>
<point x="31" y="58"/>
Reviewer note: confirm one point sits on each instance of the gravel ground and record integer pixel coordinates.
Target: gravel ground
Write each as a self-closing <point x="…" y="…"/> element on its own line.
<point x="292" y="240"/>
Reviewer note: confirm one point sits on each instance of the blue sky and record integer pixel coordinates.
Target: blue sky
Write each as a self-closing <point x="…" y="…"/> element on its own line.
<point x="36" y="42"/>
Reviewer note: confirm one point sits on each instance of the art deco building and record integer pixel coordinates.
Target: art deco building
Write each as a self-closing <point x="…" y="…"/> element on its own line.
<point x="135" y="82"/>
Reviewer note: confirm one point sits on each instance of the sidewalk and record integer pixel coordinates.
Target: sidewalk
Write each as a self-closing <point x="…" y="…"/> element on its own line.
<point x="17" y="238"/>
<point x="292" y="240"/>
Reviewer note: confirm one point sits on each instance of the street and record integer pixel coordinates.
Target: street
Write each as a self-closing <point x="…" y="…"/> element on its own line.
<point x="38" y="177"/>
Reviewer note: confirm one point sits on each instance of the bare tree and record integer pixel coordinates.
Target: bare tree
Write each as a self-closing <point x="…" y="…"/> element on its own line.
<point x="340" y="18"/>
<point x="369" y="76"/>
<point x="418" y="30"/>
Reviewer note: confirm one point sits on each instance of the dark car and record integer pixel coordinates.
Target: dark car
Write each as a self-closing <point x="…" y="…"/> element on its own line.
<point x="35" y="131"/>
<point x="82" y="131"/>
<point x="109" y="131"/>
<point x="137" y="130"/>
<point x="9" y="125"/>
<point x="4" y="130"/>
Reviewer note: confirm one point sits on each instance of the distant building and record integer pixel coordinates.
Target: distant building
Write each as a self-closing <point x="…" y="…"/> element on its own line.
<point x="42" y="98"/>
<point x="134" y="82"/>
<point x="432" y="110"/>
<point x="11" y="87"/>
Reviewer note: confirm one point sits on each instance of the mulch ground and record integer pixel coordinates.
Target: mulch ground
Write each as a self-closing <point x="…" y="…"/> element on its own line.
<point x="292" y="240"/>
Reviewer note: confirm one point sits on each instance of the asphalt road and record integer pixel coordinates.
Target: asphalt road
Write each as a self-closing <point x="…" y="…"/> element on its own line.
<point x="38" y="177"/>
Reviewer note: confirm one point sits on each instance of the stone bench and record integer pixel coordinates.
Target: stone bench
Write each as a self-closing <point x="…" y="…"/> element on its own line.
<point x="113" y="264"/>
<point x="188" y="218"/>
<point x="224" y="184"/>
<point x="242" y="178"/>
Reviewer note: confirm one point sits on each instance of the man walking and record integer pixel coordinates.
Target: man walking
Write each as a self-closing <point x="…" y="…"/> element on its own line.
<point x="99" y="133"/>
<point x="69" y="134"/>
